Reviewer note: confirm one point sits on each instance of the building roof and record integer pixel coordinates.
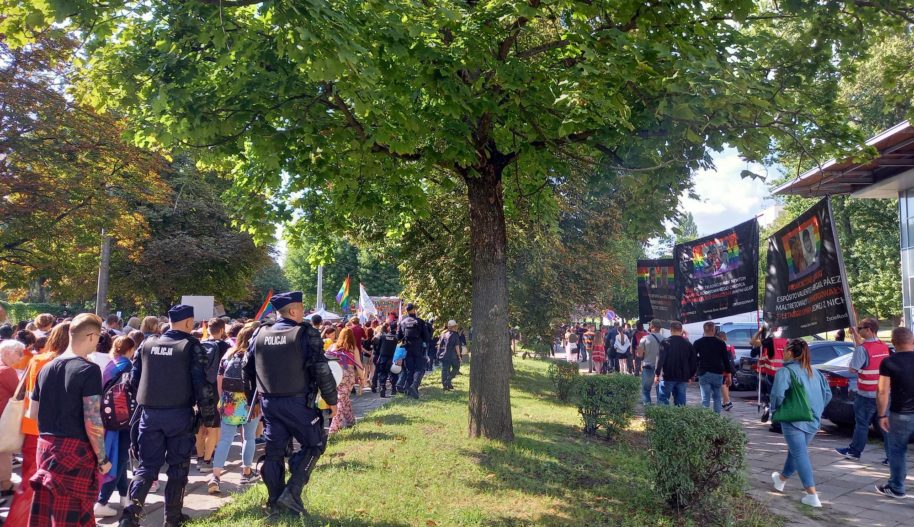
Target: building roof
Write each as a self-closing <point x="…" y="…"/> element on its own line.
<point x="882" y="177"/>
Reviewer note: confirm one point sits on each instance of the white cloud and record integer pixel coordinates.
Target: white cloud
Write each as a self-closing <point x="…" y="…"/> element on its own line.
<point x="725" y="198"/>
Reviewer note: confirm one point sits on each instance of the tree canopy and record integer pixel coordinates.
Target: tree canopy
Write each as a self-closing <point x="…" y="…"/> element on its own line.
<point x="325" y="113"/>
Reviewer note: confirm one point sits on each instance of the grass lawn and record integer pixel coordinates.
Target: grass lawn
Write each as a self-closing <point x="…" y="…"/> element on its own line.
<point x="410" y="463"/>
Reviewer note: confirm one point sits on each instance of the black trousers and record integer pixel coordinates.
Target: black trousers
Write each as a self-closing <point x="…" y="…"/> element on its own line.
<point x="449" y="367"/>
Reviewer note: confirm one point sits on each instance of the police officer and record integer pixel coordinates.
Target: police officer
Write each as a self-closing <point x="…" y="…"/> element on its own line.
<point x="449" y="353"/>
<point x="414" y="333"/>
<point x="286" y="360"/>
<point x="385" y="348"/>
<point x="168" y="377"/>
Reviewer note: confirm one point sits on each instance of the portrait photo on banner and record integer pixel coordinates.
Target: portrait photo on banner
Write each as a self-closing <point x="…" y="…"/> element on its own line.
<point x="802" y="248"/>
<point x="716" y="256"/>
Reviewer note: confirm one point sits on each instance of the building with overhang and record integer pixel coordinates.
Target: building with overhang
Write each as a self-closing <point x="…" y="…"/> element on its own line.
<point x="889" y="175"/>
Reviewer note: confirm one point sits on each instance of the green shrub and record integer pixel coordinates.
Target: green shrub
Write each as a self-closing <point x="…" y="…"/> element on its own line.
<point x="563" y="376"/>
<point x="697" y="459"/>
<point x="607" y="402"/>
<point x="18" y="311"/>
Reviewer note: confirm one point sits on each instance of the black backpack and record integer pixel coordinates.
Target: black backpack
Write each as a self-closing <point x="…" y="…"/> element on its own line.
<point x="118" y="403"/>
<point x="213" y="355"/>
<point x="232" y="380"/>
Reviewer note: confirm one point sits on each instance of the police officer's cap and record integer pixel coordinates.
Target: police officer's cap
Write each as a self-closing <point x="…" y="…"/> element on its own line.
<point x="410" y="307"/>
<point x="283" y="299"/>
<point x="180" y="312"/>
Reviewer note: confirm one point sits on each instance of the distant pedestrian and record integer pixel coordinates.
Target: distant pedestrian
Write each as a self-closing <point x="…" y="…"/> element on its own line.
<point x="623" y="346"/>
<point x="714" y="366"/>
<point x="799" y="374"/>
<point x="10" y="353"/>
<point x="676" y="366"/>
<point x="895" y="409"/>
<point x="449" y="352"/>
<point x="612" y="358"/>
<point x="571" y="345"/>
<point x="649" y="351"/>
<point x="725" y="389"/>
<point x="345" y="351"/>
<point x="638" y="334"/>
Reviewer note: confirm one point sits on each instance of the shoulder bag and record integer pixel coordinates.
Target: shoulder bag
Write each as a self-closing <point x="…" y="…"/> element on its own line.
<point x="795" y="407"/>
<point x="11" y="436"/>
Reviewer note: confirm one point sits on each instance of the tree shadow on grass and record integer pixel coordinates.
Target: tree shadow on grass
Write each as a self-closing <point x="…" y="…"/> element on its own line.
<point x="592" y="481"/>
<point x="367" y="435"/>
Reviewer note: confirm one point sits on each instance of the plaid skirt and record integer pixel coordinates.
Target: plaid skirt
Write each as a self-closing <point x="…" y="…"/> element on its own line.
<point x="65" y="484"/>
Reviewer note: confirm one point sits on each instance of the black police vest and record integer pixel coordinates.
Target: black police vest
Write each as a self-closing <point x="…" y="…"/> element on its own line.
<point x="279" y="361"/>
<point x="387" y="344"/>
<point x="165" y="378"/>
<point x="412" y="329"/>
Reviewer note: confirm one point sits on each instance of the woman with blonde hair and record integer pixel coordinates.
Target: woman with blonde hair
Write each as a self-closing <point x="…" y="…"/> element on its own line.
<point x="345" y="352"/>
<point x="150" y="326"/>
<point x="235" y="407"/>
<point x="58" y="341"/>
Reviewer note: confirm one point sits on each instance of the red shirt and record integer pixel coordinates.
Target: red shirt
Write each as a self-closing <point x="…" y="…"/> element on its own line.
<point x="8" y="382"/>
<point x="359" y="335"/>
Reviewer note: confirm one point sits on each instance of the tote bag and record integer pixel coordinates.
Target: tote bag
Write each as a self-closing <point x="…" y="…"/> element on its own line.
<point x="11" y="435"/>
<point x="795" y="407"/>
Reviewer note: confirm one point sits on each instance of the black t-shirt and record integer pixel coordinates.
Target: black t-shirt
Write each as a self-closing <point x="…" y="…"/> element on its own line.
<point x="713" y="356"/>
<point x="900" y="368"/>
<point x="60" y="389"/>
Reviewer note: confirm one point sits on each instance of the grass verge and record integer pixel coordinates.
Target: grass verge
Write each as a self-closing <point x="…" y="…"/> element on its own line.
<point x="410" y="463"/>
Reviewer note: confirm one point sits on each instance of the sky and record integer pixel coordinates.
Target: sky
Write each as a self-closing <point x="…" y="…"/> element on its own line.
<point x="726" y="199"/>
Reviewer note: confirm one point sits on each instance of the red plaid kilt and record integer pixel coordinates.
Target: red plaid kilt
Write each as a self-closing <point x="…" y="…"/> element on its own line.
<point x="66" y="483"/>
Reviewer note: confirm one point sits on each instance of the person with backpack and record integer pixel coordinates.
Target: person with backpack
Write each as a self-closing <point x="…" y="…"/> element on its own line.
<point x="236" y="401"/>
<point x="649" y="351"/>
<point x="118" y="403"/>
<point x="385" y="347"/>
<point x="413" y="332"/>
<point x="216" y="347"/>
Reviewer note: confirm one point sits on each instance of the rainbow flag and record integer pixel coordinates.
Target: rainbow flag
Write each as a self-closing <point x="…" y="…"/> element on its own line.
<point x="342" y="298"/>
<point x="266" y="308"/>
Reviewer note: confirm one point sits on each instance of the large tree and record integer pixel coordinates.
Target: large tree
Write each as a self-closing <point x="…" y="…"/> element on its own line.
<point x="326" y="112"/>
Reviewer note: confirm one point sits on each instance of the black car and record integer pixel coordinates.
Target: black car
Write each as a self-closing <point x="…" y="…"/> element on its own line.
<point x="843" y="384"/>
<point x="821" y="351"/>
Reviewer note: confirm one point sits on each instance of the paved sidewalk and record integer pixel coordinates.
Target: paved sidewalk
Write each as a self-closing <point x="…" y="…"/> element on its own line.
<point x="845" y="487"/>
<point x="198" y="502"/>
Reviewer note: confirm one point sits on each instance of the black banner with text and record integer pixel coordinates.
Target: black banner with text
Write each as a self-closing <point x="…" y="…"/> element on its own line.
<point x="806" y="289"/>
<point x="657" y="291"/>
<point x="717" y="276"/>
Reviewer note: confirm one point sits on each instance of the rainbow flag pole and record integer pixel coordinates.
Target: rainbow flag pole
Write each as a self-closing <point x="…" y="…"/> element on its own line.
<point x="266" y="308"/>
<point x="342" y="298"/>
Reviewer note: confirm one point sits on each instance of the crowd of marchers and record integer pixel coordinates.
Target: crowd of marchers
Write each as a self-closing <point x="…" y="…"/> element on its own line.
<point x="100" y="406"/>
<point x="668" y="361"/>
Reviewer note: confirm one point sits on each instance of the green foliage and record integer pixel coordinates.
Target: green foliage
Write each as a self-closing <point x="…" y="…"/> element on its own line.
<point x="363" y="266"/>
<point x="269" y="277"/>
<point x="19" y="311"/>
<point x="607" y="402"/>
<point x="564" y="375"/>
<point x="698" y="459"/>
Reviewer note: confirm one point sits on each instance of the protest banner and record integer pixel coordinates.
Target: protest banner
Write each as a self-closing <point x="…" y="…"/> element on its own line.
<point x="717" y="275"/>
<point x="806" y="287"/>
<point x="657" y="291"/>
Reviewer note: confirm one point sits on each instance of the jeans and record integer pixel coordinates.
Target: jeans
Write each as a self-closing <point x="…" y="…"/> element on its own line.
<point x="798" y="454"/>
<point x="864" y="411"/>
<point x="582" y="352"/>
<point x="120" y="482"/>
<point x="901" y="429"/>
<point x="647" y="382"/>
<point x="227" y="435"/>
<point x="710" y="384"/>
<point x="675" y="388"/>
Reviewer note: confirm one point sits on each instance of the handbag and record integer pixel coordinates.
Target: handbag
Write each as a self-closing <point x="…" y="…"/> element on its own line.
<point x="11" y="435"/>
<point x="795" y="407"/>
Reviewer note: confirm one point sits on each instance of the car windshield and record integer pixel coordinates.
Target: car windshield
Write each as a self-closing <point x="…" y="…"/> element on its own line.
<point x="843" y="360"/>
<point x="739" y="337"/>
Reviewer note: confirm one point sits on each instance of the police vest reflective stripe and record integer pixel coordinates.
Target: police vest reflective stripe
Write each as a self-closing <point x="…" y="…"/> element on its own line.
<point x="771" y="366"/>
<point x="868" y="379"/>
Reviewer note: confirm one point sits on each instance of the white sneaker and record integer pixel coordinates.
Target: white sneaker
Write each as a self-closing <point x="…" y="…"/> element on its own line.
<point x="778" y="482"/>
<point x="812" y="500"/>
<point x="103" y="511"/>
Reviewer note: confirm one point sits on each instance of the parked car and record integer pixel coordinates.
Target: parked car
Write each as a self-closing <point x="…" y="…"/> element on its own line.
<point x="739" y="335"/>
<point x="843" y="384"/>
<point x="821" y="351"/>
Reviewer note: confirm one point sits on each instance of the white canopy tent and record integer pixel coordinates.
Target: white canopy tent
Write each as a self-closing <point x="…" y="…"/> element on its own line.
<point x="326" y="315"/>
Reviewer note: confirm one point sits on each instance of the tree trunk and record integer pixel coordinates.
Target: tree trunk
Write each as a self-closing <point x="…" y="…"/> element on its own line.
<point x="490" y="391"/>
